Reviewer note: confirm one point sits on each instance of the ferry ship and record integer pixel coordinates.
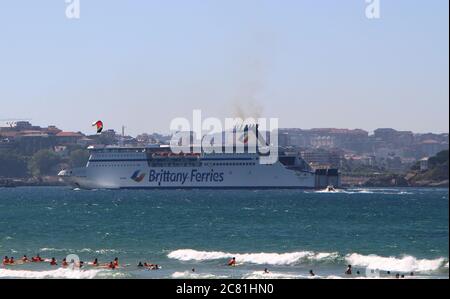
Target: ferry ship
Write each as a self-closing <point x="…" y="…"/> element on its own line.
<point x="156" y="167"/>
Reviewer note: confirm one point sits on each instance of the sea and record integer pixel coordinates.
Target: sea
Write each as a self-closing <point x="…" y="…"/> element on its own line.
<point x="192" y="234"/>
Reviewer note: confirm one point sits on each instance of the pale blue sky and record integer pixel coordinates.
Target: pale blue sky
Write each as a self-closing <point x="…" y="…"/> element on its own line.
<point x="312" y="63"/>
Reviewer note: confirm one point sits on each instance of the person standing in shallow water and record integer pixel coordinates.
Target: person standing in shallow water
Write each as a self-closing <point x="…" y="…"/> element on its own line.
<point x="349" y="270"/>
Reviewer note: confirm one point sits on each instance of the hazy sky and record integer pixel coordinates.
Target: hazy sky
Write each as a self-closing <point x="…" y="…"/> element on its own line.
<point x="312" y="63"/>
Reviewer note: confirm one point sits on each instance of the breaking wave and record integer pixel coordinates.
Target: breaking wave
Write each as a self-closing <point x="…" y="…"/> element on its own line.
<point x="403" y="264"/>
<point x="254" y="258"/>
<point x="279" y="275"/>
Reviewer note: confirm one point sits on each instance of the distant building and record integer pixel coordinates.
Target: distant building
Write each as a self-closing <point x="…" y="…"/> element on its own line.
<point x="424" y="164"/>
<point x="85" y="142"/>
<point x="320" y="158"/>
<point x="394" y="139"/>
<point x="6" y="144"/>
<point x="353" y="140"/>
<point x="68" y="137"/>
<point x="431" y="147"/>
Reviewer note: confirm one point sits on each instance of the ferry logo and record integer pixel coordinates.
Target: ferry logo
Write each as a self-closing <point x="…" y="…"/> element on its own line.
<point x="138" y="176"/>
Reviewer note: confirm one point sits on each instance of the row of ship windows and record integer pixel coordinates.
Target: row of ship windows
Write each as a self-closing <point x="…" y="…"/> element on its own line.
<point x="122" y="156"/>
<point x="199" y="164"/>
<point x="232" y="164"/>
<point x="175" y="164"/>
<point x="114" y="165"/>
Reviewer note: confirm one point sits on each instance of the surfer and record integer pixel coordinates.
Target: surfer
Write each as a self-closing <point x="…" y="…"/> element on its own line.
<point x="116" y="262"/>
<point x="232" y="262"/>
<point x="266" y="271"/>
<point x="311" y="273"/>
<point x="11" y="261"/>
<point x="53" y="262"/>
<point x="140" y="265"/>
<point x="349" y="270"/>
<point x="5" y="260"/>
<point x="193" y="270"/>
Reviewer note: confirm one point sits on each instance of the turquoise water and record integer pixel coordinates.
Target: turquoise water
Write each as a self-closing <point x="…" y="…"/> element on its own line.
<point x="287" y="231"/>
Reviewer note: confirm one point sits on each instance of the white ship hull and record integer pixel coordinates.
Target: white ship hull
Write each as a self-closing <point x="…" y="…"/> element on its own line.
<point x="227" y="178"/>
<point x="128" y="170"/>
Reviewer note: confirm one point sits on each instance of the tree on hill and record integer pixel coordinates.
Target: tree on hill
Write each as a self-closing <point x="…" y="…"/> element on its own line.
<point x="440" y="158"/>
<point x="79" y="158"/>
<point x="44" y="162"/>
<point x="438" y="167"/>
<point x="12" y="165"/>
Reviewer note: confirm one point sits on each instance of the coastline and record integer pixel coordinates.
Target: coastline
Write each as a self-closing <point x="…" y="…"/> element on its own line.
<point x="27" y="183"/>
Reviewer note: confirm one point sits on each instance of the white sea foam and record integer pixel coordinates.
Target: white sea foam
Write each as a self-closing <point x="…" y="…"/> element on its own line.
<point x="350" y="191"/>
<point x="53" y="249"/>
<point x="403" y="264"/>
<point x="279" y="275"/>
<point x="98" y="251"/>
<point x="274" y="275"/>
<point x="58" y="273"/>
<point x="254" y="258"/>
<point x="193" y="275"/>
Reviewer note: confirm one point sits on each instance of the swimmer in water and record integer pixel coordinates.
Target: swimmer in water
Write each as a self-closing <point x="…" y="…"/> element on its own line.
<point x="37" y="259"/>
<point x="64" y="263"/>
<point x="95" y="262"/>
<point x="53" y="262"/>
<point x="25" y="259"/>
<point x="12" y="261"/>
<point x="111" y="266"/>
<point x="140" y="265"/>
<point x="5" y="260"/>
<point x="311" y="273"/>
